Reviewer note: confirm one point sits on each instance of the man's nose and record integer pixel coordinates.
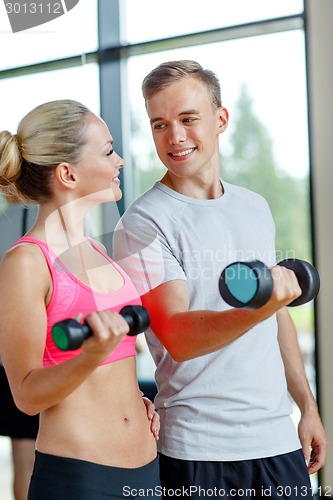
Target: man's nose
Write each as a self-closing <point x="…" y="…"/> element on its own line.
<point x="177" y="134"/>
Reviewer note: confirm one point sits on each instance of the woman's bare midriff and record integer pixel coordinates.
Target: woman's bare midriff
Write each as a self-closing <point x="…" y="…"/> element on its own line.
<point x="104" y="421"/>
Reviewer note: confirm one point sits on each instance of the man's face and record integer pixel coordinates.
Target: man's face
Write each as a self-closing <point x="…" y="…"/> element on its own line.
<point x="185" y="127"/>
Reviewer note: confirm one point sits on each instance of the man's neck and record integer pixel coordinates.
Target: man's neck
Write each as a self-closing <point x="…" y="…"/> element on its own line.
<point x="193" y="187"/>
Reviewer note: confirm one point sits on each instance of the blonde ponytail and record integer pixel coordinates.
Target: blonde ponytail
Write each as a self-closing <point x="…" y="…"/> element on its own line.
<point x="10" y="161"/>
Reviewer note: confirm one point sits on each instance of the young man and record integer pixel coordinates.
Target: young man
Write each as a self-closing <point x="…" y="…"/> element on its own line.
<point x="222" y="374"/>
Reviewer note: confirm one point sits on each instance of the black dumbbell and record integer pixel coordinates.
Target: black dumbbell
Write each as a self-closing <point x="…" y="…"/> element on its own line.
<point x="250" y="284"/>
<point x="69" y="334"/>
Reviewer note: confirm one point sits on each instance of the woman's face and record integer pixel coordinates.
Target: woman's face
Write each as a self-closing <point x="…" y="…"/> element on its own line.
<point x="99" y="165"/>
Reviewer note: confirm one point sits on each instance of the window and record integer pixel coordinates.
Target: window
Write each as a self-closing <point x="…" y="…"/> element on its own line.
<point x="71" y="34"/>
<point x="151" y="20"/>
<point x="34" y="69"/>
<point x="26" y="92"/>
<point x="275" y="85"/>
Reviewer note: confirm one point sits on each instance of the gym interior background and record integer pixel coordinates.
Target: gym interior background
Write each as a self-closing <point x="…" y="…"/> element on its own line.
<point x="275" y="66"/>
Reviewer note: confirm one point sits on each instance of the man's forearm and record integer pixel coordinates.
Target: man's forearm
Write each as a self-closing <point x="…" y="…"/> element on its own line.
<point x="298" y="384"/>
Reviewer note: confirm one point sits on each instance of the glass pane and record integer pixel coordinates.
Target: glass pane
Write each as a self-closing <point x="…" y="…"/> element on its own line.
<point x="263" y="83"/>
<point x="26" y="92"/>
<point x="269" y="69"/>
<point x="167" y="19"/>
<point x="73" y="33"/>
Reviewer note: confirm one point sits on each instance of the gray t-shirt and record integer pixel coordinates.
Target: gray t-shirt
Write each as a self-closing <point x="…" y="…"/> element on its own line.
<point x="231" y="404"/>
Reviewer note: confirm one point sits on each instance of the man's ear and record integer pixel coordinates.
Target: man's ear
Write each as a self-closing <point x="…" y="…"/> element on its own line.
<point x="66" y="175"/>
<point x="223" y="117"/>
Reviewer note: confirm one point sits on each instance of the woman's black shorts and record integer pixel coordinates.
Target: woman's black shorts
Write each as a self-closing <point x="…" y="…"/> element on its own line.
<point x="57" y="478"/>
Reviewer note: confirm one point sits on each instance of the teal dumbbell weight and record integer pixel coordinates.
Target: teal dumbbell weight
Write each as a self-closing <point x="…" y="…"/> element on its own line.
<point x="69" y="334"/>
<point x="250" y="284"/>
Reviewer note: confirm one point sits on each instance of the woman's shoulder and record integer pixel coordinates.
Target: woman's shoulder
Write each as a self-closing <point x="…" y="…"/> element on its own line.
<point x="23" y="260"/>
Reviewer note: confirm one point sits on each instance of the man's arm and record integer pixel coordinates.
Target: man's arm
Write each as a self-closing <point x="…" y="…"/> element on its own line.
<point x="142" y="250"/>
<point x="189" y="334"/>
<point x="311" y="432"/>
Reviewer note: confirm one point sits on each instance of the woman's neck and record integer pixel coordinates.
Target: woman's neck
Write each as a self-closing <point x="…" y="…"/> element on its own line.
<point x="59" y="227"/>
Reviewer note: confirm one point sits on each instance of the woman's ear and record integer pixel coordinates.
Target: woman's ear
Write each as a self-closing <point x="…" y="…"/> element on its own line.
<point x="66" y="175"/>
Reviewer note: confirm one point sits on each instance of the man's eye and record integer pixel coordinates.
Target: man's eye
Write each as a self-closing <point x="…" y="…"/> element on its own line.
<point x="158" y="126"/>
<point x="110" y="152"/>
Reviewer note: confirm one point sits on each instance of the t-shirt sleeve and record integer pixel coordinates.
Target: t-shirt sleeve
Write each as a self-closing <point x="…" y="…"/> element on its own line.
<point x="143" y="250"/>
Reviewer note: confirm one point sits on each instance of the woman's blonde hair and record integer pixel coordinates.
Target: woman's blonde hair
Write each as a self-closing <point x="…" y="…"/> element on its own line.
<point x="51" y="133"/>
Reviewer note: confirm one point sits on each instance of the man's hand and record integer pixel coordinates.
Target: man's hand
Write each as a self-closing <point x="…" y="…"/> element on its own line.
<point x="313" y="439"/>
<point x="153" y="416"/>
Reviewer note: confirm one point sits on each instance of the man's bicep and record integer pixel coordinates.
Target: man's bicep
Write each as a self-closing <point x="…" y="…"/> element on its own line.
<point x="163" y="302"/>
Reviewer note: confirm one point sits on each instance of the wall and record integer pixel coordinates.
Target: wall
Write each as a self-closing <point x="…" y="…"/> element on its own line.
<point x="320" y="44"/>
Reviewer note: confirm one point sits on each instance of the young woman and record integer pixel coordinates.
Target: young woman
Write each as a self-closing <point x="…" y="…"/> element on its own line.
<point x="96" y="435"/>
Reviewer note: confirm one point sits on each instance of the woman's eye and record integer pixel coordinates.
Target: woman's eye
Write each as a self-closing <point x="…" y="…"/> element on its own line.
<point x="110" y="152"/>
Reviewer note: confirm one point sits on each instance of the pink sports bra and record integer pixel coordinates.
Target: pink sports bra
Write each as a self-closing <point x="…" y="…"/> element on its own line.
<point x="71" y="297"/>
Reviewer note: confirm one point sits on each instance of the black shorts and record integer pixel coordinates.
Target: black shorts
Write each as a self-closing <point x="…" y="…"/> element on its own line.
<point x="57" y="478"/>
<point x="281" y="477"/>
<point x="13" y="422"/>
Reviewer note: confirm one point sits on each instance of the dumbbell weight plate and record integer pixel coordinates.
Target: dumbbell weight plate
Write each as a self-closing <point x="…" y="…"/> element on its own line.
<point x="78" y="333"/>
<point x="246" y="284"/>
<point x="137" y="318"/>
<point x="308" y="279"/>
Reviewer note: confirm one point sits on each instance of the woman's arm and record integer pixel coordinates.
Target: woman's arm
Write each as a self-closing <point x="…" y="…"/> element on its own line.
<point x="25" y="288"/>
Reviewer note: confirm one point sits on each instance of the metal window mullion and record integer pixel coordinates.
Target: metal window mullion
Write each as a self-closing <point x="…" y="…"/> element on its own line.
<point x="110" y="98"/>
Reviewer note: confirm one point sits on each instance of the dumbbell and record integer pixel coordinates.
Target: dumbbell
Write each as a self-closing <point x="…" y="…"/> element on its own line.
<point x="250" y="284"/>
<point x="69" y="334"/>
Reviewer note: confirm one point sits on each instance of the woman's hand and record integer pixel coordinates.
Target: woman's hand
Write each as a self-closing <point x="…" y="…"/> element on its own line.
<point x="108" y="328"/>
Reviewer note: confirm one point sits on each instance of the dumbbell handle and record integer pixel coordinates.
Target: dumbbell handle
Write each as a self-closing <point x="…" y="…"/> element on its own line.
<point x="69" y="334"/>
